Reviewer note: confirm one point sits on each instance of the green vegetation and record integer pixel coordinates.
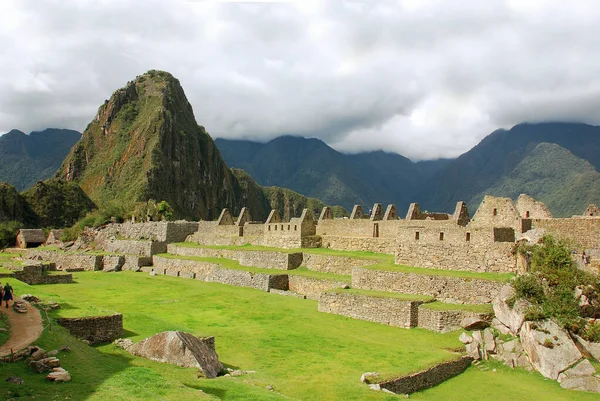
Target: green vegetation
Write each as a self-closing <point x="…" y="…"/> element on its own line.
<point x="550" y="286"/>
<point x="27" y="159"/>
<point x="58" y="203"/>
<point x="4" y="328"/>
<point x="8" y="233"/>
<point x="301" y="353"/>
<point x="441" y="306"/>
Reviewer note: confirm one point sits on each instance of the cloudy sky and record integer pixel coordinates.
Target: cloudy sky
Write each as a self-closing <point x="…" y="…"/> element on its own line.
<point x="423" y="78"/>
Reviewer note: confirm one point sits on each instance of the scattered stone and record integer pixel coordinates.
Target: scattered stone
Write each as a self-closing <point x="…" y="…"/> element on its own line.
<point x="59" y="375"/>
<point x="39" y="366"/>
<point x="369" y="377"/>
<point x="497" y="324"/>
<point x="490" y="342"/>
<point x="53" y="305"/>
<point x="550" y="362"/>
<point x="473" y="350"/>
<point x="14" y="380"/>
<point x="32" y="299"/>
<point x="345" y="286"/>
<point x="474" y="323"/>
<point x="65" y="348"/>
<point x="123" y="343"/>
<point x="236" y="373"/>
<point x="37" y="354"/>
<point x="465" y="338"/>
<point x="269" y="387"/>
<point x="153" y="273"/>
<point x="20" y="306"/>
<point x="52" y="353"/>
<point x="3" y="330"/>
<point x="593" y="349"/>
<point x="375" y="386"/>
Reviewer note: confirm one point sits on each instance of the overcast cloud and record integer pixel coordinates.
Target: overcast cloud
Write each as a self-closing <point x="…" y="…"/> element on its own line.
<point x="423" y="78"/>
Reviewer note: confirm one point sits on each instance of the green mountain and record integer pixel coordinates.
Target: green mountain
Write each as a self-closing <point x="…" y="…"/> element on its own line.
<point x="27" y="159"/>
<point x="485" y="167"/>
<point x="144" y="143"/>
<point x="312" y="168"/>
<point x="13" y="207"/>
<point x="566" y="183"/>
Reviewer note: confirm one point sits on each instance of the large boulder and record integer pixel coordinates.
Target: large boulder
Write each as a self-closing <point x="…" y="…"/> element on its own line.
<point x="514" y="317"/>
<point x="593" y="349"/>
<point x="582" y="369"/>
<point x="582" y="383"/>
<point x="549" y="348"/>
<point x="182" y="349"/>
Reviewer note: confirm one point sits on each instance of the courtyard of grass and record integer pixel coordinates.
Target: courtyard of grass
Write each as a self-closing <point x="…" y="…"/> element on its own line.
<point x="298" y="352"/>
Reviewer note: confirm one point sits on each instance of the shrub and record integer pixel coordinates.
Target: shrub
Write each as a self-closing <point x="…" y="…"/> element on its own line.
<point x="548" y="343"/>
<point x="527" y="286"/>
<point x="8" y="233"/>
<point x="591" y="332"/>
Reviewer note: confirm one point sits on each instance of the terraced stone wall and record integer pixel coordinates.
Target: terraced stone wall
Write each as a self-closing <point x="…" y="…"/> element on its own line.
<point x="68" y="261"/>
<point x="34" y="274"/>
<point x="333" y="264"/>
<point x="444" y="288"/>
<point x="94" y="329"/>
<point x="390" y="311"/>
<point x="584" y="232"/>
<point x="136" y="247"/>
<point x="312" y="288"/>
<point x="444" y="321"/>
<point x="343" y="243"/>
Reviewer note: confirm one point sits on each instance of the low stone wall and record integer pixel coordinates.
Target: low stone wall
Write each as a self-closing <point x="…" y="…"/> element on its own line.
<point x="333" y="264"/>
<point x="379" y="245"/>
<point x="312" y="288"/>
<point x="444" y="288"/>
<point x="94" y="329"/>
<point x="427" y="378"/>
<point x="385" y="310"/>
<point x="263" y="259"/>
<point x="34" y="274"/>
<point x="212" y="272"/>
<point x="67" y="261"/>
<point x="113" y="263"/>
<point x="136" y="247"/>
<point x="135" y="263"/>
<point x="444" y="321"/>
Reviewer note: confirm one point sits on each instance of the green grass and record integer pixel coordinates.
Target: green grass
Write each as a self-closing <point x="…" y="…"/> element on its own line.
<point x="502" y="277"/>
<point x="302" y="353"/>
<point x="441" y="306"/>
<point x="382" y="294"/>
<point x="4" y="325"/>
<point x="234" y="265"/>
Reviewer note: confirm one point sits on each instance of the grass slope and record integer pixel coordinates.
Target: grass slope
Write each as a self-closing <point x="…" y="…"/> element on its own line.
<point x="303" y="354"/>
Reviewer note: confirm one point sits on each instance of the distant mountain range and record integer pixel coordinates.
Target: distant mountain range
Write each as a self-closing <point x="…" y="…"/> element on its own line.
<point x="557" y="163"/>
<point x="505" y="163"/>
<point x="26" y="159"/>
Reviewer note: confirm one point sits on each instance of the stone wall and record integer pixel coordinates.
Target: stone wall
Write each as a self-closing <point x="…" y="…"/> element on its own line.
<point x="212" y="272"/>
<point x="390" y="311"/>
<point x="312" y="288"/>
<point x="445" y="288"/>
<point x="583" y="231"/>
<point x="136" y="247"/>
<point x="135" y="263"/>
<point x="427" y="378"/>
<point x="35" y="274"/>
<point x="342" y="243"/>
<point x="530" y="208"/>
<point x="68" y="261"/>
<point x="94" y="329"/>
<point x="163" y="231"/>
<point x="359" y="228"/>
<point x="333" y="264"/>
<point x="262" y="259"/>
<point x="444" y="321"/>
<point x="496" y="212"/>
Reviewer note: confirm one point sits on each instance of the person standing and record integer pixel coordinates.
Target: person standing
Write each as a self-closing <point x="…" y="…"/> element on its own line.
<point x="8" y="294"/>
<point x="1" y="293"/>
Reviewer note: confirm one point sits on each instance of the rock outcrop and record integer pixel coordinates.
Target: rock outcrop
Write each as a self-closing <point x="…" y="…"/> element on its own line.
<point x="512" y="317"/>
<point x="179" y="348"/>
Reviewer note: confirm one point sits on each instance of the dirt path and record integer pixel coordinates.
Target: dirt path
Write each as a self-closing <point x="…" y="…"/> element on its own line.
<point x="25" y="328"/>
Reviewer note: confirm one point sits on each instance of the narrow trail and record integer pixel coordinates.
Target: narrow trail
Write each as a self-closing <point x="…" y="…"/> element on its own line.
<point x="25" y="328"/>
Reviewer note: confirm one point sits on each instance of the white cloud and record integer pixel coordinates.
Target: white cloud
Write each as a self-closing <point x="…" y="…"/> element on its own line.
<point x="424" y="78"/>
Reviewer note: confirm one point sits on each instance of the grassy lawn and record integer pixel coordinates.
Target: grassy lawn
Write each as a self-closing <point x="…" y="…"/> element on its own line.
<point x="4" y="325"/>
<point x="301" y="353"/>
<point x="234" y="264"/>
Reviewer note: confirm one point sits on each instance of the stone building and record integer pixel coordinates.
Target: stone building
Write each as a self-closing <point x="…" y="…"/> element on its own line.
<point x="30" y="238"/>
